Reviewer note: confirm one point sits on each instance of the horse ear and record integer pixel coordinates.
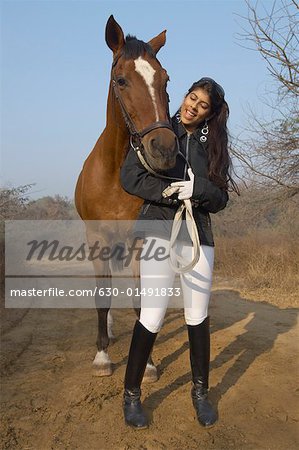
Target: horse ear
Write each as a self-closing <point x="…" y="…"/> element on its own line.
<point x="114" y="35"/>
<point x="157" y="42"/>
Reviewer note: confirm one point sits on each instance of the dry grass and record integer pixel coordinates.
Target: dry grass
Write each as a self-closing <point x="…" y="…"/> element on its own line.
<point x="262" y="259"/>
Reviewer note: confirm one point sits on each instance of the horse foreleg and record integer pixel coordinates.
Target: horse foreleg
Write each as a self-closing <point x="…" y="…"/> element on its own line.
<point x="102" y="364"/>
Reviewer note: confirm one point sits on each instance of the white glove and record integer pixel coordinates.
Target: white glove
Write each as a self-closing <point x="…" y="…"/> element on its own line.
<point x="185" y="188"/>
<point x="169" y="191"/>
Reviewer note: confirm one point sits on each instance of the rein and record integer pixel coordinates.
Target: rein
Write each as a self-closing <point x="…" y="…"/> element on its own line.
<point x="176" y="262"/>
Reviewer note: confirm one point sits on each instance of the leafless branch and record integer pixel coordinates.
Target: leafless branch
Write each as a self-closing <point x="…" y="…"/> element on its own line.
<point x="269" y="153"/>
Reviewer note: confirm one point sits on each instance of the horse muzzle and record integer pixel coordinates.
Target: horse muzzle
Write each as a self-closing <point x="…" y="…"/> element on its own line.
<point x="161" y="149"/>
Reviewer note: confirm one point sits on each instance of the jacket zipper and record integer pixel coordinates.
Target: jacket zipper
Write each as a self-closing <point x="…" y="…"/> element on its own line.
<point x="187" y="155"/>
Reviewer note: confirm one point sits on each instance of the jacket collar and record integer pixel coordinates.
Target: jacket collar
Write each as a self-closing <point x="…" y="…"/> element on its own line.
<point x="180" y="130"/>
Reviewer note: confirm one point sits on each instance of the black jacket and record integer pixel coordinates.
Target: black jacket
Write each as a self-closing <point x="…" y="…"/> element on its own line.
<point x="160" y="211"/>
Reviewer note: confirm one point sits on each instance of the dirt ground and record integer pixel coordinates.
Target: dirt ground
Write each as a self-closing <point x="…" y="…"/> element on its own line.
<point x="51" y="400"/>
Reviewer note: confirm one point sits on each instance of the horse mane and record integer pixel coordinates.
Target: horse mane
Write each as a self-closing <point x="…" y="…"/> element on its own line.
<point x="134" y="48"/>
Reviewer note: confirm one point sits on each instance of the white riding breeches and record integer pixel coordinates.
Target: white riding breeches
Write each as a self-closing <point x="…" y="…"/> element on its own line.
<point x="157" y="277"/>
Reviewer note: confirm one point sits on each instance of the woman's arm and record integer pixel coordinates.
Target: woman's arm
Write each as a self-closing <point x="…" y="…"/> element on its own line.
<point x="210" y="196"/>
<point x="136" y="180"/>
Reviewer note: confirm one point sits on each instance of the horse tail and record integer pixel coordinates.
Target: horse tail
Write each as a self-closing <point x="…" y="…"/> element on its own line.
<point x="118" y="256"/>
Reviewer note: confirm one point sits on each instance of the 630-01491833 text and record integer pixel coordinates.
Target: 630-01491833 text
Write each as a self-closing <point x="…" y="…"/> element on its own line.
<point x="100" y="291"/>
<point x="151" y="292"/>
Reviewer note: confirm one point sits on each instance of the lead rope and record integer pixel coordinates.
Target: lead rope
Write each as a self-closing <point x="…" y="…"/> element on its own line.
<point x="177" y="263"/>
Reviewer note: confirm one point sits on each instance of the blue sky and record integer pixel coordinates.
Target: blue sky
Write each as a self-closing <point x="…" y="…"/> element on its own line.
<point x="56" y="67"/>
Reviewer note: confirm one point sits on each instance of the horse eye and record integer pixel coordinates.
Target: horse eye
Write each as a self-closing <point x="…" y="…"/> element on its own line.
<point x="121" y="81"/>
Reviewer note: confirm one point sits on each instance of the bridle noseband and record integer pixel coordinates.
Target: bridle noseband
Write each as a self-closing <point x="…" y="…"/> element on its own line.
<point x="135" y="135"/>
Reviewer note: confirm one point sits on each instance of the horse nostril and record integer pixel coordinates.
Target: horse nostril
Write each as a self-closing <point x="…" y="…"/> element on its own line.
<point x="161" y="147"/>
<point x="153" y="143"/>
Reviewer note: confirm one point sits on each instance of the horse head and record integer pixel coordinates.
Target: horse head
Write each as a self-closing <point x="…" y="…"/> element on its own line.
<point x="139" y="84"/>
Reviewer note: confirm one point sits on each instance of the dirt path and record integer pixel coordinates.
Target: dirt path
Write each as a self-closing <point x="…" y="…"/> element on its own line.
<point x="50" y="400"/>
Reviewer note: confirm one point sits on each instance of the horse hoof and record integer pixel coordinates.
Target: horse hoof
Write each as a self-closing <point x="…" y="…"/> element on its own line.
<point x="102" y="366"/>
<point x="102" y="371"/>
<point x="150" y="374"/>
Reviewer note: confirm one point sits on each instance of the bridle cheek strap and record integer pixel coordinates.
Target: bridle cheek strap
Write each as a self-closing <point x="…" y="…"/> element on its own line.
<point x="137" y="135"/>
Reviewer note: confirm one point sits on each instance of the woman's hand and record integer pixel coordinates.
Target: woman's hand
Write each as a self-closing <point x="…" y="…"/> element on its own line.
<point x="185" y="188"/>
<point x="169" y="191"/>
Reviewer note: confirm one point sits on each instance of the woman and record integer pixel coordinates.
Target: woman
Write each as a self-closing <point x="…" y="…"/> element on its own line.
<point x="200" y="125"/>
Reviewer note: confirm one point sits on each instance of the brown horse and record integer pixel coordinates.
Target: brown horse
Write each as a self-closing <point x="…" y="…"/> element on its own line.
<point x="137" y="100"/>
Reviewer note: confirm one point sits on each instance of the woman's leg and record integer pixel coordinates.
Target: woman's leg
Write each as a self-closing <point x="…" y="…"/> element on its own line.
<point x="155" y="275"/>
<point x="196" y="287"/>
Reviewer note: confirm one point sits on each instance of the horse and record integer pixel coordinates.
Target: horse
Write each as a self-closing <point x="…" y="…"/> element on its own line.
<point x="138" y="115"/>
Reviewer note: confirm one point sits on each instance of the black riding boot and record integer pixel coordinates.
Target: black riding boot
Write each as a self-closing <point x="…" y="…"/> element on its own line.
<point x="141" y="347"/>
<point x="199" y="341"/>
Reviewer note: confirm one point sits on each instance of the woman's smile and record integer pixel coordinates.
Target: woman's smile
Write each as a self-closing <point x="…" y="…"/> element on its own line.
<point x="190" y="114"/>
<point x="195" y="108"/>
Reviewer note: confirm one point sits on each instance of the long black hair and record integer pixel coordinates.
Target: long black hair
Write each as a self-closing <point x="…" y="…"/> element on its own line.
<point x="219" y="161"/>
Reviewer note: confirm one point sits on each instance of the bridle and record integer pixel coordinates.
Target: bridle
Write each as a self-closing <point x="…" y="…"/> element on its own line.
<point x="135" y="135"/>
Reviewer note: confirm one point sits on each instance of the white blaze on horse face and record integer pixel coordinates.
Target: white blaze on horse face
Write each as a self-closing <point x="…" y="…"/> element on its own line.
<point x="144" y="69"/>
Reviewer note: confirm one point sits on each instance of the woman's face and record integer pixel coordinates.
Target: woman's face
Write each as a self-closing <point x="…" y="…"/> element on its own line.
<point x="196" y="107"/>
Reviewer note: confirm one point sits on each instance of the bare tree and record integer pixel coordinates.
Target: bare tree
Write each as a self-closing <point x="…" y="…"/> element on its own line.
<point x="13" y="201"/>
<point x="270" y="155"/>
<point x="275" y="36"/>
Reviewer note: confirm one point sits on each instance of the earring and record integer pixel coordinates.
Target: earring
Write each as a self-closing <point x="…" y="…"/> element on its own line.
<point x="204" y="132"/>
<point x="178" y="117"/>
